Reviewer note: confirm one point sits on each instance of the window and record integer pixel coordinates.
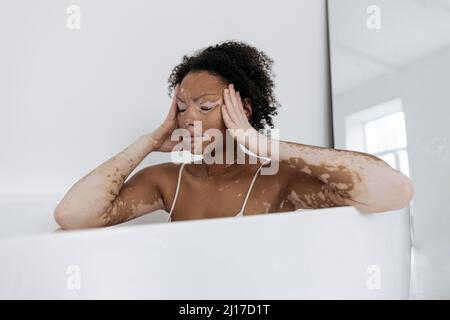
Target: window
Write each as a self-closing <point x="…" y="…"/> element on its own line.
<point x="379" y="130"/>
<point x="385" y="138"/>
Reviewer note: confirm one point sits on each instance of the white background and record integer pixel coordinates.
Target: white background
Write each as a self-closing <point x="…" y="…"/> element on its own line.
<point x="70" y="99"/>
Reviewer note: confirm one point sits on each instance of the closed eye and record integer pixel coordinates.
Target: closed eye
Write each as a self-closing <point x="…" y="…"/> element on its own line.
<point x="207" y="106"/>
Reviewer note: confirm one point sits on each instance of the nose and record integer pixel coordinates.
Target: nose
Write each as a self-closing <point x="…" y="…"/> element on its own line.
<point x="191" y="115"/>
<point x="195" y="129"/>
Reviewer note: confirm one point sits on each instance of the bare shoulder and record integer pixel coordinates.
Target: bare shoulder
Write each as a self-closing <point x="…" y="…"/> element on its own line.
<point x="160" y="174"/>
<point x="280" y="172"/>
<point x="164" y="176"/>
<point x="145" y="191"/>
<point x="308" y="192"/>
<point x="160" y="170"/>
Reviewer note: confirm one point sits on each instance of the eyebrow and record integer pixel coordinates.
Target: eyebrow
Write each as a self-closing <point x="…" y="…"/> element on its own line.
<point x="195" y="99"/>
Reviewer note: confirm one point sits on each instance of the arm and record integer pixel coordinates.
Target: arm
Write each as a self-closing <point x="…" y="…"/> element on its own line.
<point x="102" y="197"/>
<point x="304" y="191"/>
<point x="348" y="177"/>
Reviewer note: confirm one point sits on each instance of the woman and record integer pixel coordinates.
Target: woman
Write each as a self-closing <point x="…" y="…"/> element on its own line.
<point x="228" y="88"/>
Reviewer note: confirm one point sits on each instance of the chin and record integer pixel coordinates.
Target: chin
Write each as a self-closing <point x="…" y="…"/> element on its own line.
<point x="201" y="150"/>
<point x="196" y="150"/>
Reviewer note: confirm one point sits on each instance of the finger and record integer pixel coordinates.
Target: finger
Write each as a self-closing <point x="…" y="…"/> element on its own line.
<point x="233" y="94"/>
<point x="226" y="117"/>
<point x="234" y="99"/>
<point x="174" y="101"/>
<point x="231" y="126"/>
<point x="173" y="107"/>
<point x="240" y="106"/>
<point x="230" y="107"/>
<point x="239" y="99"/>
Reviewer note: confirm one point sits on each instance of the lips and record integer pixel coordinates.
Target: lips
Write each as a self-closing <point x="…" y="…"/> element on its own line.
<point x="197" y="139"/>
<point x="195" y="134"/>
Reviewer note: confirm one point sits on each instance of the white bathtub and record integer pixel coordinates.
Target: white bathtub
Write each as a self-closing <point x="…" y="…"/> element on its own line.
<point x="326" y="253"/>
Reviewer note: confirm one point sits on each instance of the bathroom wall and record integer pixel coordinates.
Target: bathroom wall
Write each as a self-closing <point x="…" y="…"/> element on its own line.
<point x="70" y="99"/>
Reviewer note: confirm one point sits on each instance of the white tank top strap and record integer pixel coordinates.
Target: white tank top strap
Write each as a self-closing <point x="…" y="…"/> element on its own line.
<point x="241" y="212"/>
<point x="176" y="191"/>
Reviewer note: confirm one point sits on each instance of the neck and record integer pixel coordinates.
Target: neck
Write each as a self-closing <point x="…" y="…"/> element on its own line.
<point x="226" y="167"/>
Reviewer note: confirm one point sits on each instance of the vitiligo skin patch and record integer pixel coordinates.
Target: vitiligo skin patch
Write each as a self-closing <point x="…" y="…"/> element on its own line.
<point x="124" y="210"/>
<point x="348" y="178"/>
<point x="103" y="198"/>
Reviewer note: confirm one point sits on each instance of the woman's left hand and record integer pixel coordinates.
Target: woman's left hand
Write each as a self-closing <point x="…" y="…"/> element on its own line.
<point x="236" y="120"/>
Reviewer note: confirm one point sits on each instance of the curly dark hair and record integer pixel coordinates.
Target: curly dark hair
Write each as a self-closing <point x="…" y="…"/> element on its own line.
<point x="248" y="68"/>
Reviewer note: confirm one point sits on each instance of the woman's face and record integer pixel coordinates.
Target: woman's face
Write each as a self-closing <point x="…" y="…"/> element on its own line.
<point x="199" y="99"/>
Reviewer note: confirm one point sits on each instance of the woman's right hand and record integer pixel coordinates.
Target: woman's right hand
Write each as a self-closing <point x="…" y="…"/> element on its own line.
<point x="161" y="137"/>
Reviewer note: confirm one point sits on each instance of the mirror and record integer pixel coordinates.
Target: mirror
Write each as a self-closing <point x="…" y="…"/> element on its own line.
<point x="390" y="75"/>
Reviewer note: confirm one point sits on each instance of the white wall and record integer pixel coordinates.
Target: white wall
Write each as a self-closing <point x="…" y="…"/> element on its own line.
<point x="71" y="99"/>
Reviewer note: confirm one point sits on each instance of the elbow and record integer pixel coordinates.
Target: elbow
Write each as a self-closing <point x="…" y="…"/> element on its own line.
<point x="404" y="193"/>
<point x="397" y="198"/>
<point x="66" y="217"/>
<point x="409" y="189"/>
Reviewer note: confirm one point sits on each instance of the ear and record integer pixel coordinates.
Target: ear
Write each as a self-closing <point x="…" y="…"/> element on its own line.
<point x="248" y="109"/>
